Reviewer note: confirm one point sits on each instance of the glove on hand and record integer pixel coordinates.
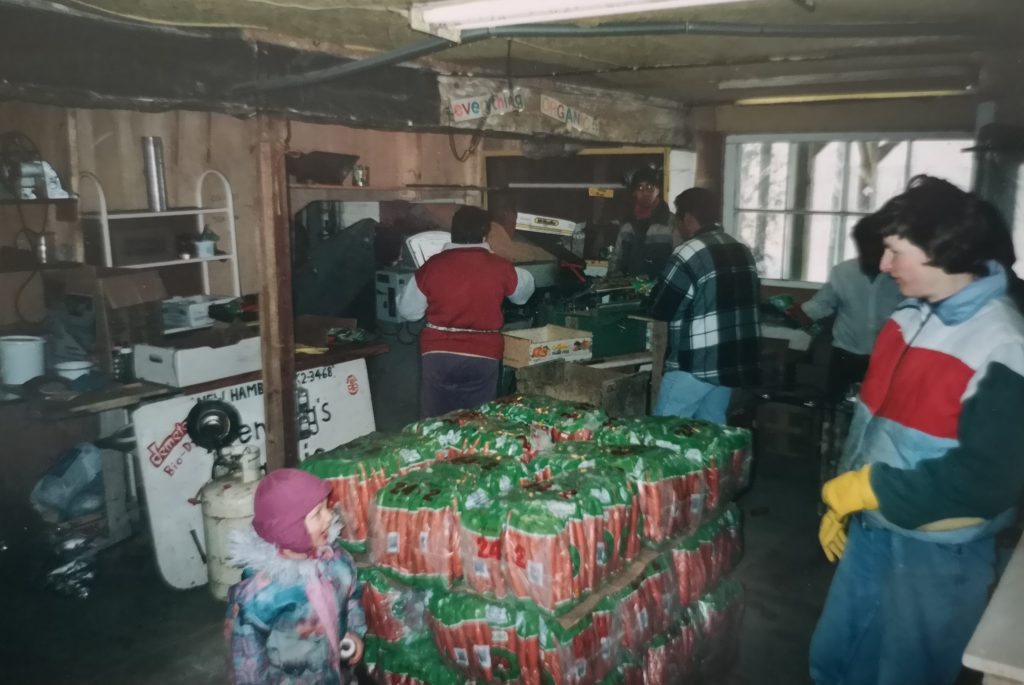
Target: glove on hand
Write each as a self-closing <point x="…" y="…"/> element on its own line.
<point x="849" y="493"/>
<point x="832" y="536"/>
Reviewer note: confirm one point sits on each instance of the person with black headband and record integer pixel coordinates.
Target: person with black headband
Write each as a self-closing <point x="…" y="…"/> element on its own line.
<point x="646" y="241"/>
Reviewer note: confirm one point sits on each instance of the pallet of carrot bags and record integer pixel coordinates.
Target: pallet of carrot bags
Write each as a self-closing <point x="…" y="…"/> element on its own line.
<point x="563" y="419"/>
<point x="470" y="432"/>
<point x="701" y="560"/>
<point x="411" y="662"/>
<point x="723" y="451"/>
<point x="513" y="642"/>
<point x="669" y="484"/>
<point x="414" y="519"/>
<point x="358" y="469"/>
<point x="565" y="536"/>
<point x="717" y="616"/>
<point x="697" y="648"/>
<point x="394" y="611"/>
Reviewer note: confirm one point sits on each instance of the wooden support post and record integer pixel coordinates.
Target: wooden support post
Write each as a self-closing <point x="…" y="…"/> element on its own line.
<point x="711" y="161"/>
<point x="659" y="344"/>
<point x="277" y="334"/>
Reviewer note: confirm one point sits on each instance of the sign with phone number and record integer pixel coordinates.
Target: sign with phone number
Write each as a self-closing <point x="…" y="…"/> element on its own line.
<point x="333" y="407"/>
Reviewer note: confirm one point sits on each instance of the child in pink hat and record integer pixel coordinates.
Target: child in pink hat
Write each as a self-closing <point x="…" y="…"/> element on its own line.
<point x="296" y="612"/>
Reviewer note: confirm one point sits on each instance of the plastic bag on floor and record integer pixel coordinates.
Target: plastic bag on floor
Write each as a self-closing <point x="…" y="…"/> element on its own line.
<point x="73" y="486"/>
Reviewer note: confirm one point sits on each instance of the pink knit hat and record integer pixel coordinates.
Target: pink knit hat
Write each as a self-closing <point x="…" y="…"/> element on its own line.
<point x="283" y="498"/>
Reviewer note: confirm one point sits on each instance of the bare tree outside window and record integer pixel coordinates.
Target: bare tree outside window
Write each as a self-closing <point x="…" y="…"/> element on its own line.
<point x="795" y="201"/>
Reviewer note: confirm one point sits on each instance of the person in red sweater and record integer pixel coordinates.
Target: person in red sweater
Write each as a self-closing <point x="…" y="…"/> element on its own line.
<point x="460" y="290"/>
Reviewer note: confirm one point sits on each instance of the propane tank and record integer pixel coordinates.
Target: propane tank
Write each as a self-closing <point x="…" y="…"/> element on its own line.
<point x="227" y="507"/>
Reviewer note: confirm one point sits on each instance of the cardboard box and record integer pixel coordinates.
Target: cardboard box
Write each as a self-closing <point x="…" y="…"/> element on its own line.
<point x="92" y="310"/>
<point x="618" y="393"/>
<point x="189" y="312"/>
<point x="546" y="224"/>
<point x="198" y="358"/>
<point x="221" y="352"/>
<point x="531" y="346"/>
<point x="788" y="430"/>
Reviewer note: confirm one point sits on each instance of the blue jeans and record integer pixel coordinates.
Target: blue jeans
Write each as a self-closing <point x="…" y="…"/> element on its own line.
<point x="455" y="381"/>
<point x="900" y="611"/>
<point x="683" y="394"/>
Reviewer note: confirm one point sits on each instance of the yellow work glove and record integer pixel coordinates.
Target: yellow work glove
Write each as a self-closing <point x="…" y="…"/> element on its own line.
<point x="832" y="536"/>
<point x="849" y="493"/>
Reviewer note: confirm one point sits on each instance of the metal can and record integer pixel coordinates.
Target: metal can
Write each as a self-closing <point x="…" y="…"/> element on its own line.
<point x="122" y="364"/>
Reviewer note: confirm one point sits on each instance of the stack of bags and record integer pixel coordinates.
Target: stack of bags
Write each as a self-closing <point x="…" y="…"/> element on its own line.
<point x="487" y="530"/>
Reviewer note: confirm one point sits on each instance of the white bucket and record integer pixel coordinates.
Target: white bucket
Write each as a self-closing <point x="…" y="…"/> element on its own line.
<point x="72" y="370"/>
<point x="22" y="358"/>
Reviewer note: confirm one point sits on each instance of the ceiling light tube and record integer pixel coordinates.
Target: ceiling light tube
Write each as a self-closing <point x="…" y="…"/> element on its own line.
<point x="840" y="97"/>
<point x="447" y="18"/>
<point x="913" y="73"/>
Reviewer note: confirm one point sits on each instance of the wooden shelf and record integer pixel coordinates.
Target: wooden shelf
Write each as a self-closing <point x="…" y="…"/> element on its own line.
<point x="176" y="262"/>
<point x="44" y="201"/>
<point x="303" y="194"/>
<point x="147" y="214"/>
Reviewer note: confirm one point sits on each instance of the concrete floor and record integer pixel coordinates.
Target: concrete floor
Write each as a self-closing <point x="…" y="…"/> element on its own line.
<point x="134" y="629"/>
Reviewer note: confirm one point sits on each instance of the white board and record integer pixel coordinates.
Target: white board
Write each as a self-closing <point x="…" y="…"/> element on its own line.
<point x="172" y="470"/>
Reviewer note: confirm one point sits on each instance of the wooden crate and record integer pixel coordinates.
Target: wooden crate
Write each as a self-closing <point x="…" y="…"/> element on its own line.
<point x="618" y="393"/>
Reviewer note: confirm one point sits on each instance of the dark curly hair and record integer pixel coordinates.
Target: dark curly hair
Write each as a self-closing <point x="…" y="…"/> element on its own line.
<point x="957" y="230"/>
<point x="867" y="236"/>
<point x="702" y="203"/>
<point x="470" y="225"/>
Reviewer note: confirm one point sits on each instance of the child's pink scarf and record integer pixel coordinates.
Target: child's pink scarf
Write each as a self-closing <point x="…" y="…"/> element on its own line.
<point x="322" y="598"/>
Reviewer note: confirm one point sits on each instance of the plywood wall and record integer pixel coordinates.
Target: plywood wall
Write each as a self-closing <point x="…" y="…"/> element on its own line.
<point x="21" y="294"/>
<point x="395" y="159"/>
<point x="109" y="145"/>
<point x="48" y="128"/>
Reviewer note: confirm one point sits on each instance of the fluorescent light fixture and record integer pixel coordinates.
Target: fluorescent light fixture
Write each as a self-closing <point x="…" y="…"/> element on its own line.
<point x="839" y="97"/>
<point x="448" y="18"/>
<point x="965" y="74"/>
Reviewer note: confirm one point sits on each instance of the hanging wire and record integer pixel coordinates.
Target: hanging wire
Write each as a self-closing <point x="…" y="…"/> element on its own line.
<point x="478" y="135"/>
<point x="16" y="148"/>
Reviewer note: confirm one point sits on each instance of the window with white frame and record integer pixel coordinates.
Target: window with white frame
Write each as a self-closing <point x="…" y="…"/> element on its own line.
<point x="794" y="199"/>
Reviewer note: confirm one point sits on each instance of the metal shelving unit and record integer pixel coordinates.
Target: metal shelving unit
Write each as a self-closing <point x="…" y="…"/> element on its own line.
<point x="104" y="216"/>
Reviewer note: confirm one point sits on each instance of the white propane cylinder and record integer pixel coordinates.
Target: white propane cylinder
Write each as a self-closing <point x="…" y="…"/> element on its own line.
<point x="228" y="507"/>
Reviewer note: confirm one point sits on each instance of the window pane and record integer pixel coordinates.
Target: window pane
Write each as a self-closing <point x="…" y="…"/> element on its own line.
<point x="766" y="236"/>
<point x="890" y="173"/>
<point x="876" y="173"/>
<point x="764" y="171"/>
<point x="819" y="247"/>
<point x="943" y="158"/>
<point x="849" y="248"/>
<point x="750" y="174"/>
<point x="826" y="172"/>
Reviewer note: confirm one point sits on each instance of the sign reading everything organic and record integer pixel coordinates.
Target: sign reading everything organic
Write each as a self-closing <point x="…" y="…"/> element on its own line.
<point x="573" y="118"/>
<point x="480" y="106"/>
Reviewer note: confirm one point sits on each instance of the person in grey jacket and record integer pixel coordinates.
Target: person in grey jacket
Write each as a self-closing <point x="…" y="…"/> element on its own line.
<point x="646" y="241"/>
<point x="862" y="299"/>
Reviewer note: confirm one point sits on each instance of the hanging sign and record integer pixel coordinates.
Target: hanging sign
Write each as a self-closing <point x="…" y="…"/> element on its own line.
<point x="573" y="118"/>
<point x="480" y="106"/>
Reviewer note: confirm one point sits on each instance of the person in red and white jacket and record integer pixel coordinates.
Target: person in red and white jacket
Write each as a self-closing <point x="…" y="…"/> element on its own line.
<point x="933" y="466"/>
<point x="460" y="291"/>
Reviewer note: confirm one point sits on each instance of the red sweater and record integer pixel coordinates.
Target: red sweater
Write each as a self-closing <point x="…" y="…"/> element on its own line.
<point x="465" y="288"/>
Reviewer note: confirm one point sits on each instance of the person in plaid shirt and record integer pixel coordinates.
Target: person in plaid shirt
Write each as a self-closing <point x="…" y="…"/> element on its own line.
<point x="709" y="294"/>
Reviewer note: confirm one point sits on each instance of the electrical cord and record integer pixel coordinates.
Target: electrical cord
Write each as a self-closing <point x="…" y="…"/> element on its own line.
<point x="15" y="149"/>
